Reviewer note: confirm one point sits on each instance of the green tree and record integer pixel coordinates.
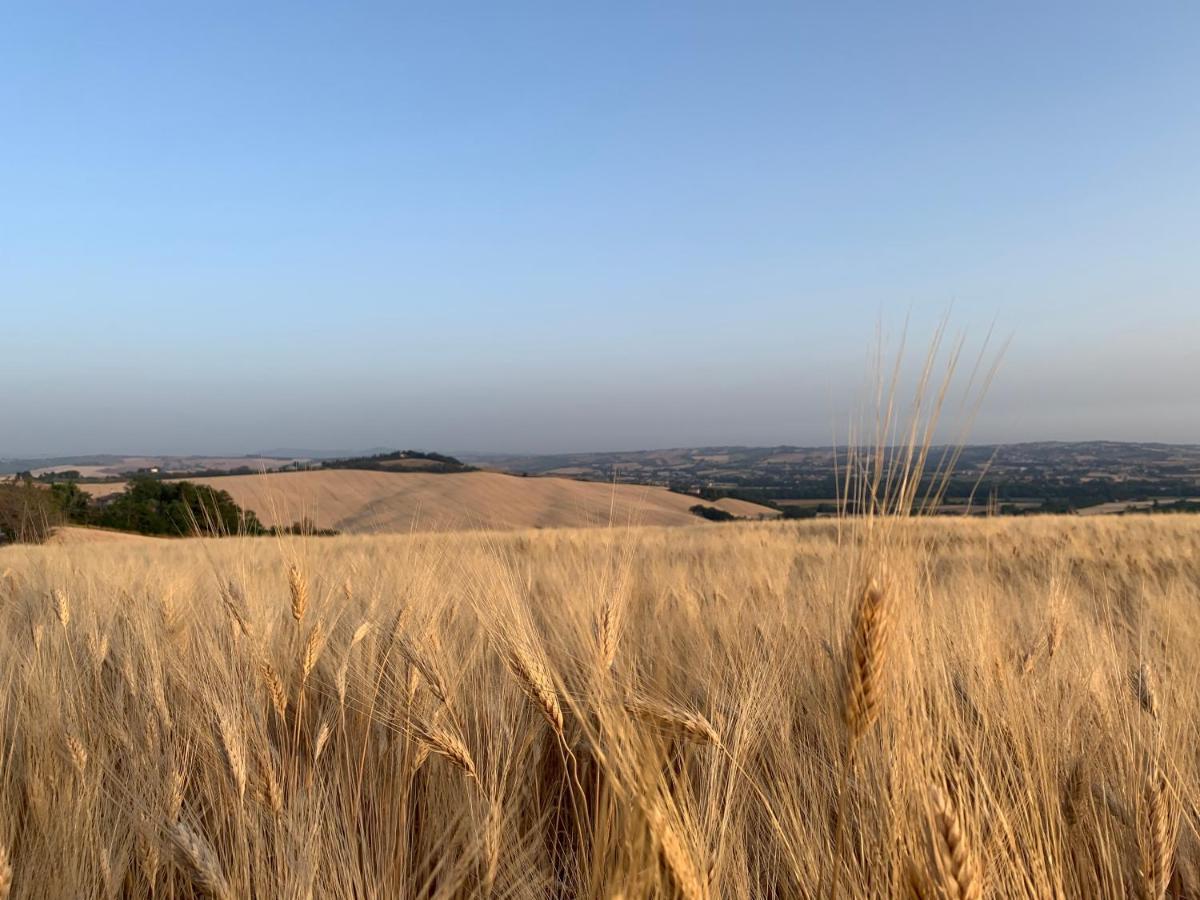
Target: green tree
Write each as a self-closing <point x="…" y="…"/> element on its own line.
<point x="28" y="514"/>
<point x="71" y="500"/>
<point x="151" y="506"/>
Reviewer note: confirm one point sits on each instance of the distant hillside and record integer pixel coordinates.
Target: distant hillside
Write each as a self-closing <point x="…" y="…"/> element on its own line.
<point x="13" y="465"/>
<point x="1048" y="476"/>
<point x="310" y="453"/>
<point x="108" y="466"/>
<point x="362" y="501"/>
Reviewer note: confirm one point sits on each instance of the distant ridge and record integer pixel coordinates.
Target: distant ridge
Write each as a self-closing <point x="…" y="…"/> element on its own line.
<point x="310" y="453"/>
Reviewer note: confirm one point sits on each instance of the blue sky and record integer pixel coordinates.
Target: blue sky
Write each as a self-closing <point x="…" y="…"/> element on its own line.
<point x="227" y="227"/>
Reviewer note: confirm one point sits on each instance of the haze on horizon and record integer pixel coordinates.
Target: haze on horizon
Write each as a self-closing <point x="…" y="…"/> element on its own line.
<point x="227" y="229"/>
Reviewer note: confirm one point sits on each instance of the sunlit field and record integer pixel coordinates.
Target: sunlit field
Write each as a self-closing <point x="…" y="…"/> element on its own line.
<point x="996" y="707"/>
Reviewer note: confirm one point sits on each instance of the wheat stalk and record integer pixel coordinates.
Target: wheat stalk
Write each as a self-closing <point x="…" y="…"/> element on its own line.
<point x="97" y="649"/>
<point x="863" y="666"/>
<point x="312" y="652"/>
<point x="274" y="685"/>
<point x="866" y="656"/>
<point x="957" y="872"/>
<point x="340" y="678"/>
<point x="424" y="665"/>
<point x="5" y="874"/>
<point x="359" y="633"/>
<point x="916" y="883"/>
<point x="199" y="860"/>
<point x="691" y="725"/>
<point x="492" y="827"/>
<point x="1074" y="793"/>
<point x="343" y="671"/>
<point x="233" y="751"/>
<point x="272" y="794"/>
<point x="78" y="753"/>
<point x="1145" y="688"/>
<point x="420" y="755"/>
<point x="62" y="606"/>
<point x="449" y="746"/>
<point x="106" y="873"/>
<point x="322" y="740"/>
<point x="235" y="605"/>
<point x="607" y="633"/>
<point x="681" y="863"/>
<point x="1156" y="838"/>
<point x="176" y="784"/>
<point x="298" y="588"/>
<point x="537" y="684"/>
<point x="1054" y="635"/>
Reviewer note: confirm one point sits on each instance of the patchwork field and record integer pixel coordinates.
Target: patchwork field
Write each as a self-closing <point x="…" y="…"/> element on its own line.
<point x="999" y="708"/>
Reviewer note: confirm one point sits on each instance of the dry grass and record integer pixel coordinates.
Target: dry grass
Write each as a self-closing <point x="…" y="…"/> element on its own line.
<point x="615" y="712"/>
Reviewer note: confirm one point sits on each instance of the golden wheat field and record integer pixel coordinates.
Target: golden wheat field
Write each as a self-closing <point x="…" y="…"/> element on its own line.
<point x="920" y="708"/>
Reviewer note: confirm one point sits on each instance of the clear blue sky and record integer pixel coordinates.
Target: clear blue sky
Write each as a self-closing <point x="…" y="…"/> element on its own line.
<point x="228" y="227"/>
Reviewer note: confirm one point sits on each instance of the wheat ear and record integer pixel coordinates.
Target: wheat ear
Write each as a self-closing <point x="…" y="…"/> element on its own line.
<point x="312" y="652"/>
<point x="957" y="872"/>
<point x="78" y="752"/>
<point x="272" y="794"/>
<point x="274" y="684"/>
<point x="1145" y="688"/>
<point x="451" y="747"/>
<point x="62" y="606"/>
<point x="322" y="740"/>
<point x="200" y="861"/>
<point x="677" y="856"/>
<point x="298" y="587"/>
<point x="691" y="725"/>
<point x="535" y="681"/>
<point x="607" y="633"/>
<point x="866" y="656"/>
<point x="233" y="752"/>
<point x="424" y="665"/>
<point x="1156" y="838"/>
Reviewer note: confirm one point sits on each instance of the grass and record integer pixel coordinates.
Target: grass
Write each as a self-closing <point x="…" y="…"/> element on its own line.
<point x="1002" y="708"/>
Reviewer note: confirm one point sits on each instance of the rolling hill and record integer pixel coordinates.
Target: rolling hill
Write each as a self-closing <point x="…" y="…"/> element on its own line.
<point x="360" y="501"/>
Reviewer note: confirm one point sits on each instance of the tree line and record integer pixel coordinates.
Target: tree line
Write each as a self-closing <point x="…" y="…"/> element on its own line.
<point x="29" y="512"/>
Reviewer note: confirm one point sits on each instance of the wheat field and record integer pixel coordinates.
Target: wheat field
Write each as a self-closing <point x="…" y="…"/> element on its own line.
<point x="935" y="708"/>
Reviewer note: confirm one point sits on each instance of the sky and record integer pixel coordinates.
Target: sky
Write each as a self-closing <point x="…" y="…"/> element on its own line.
<point x="544" y="227"/>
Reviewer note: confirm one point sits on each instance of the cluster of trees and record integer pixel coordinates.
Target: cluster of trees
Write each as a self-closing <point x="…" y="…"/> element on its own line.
<point x="712" y="513"/>
<point x="175" y="508"/>
<point x="793" y="511"/>
<point x="29" y="512"/>
<point x="58" y="475"/>
<point x="433" y="462"/>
